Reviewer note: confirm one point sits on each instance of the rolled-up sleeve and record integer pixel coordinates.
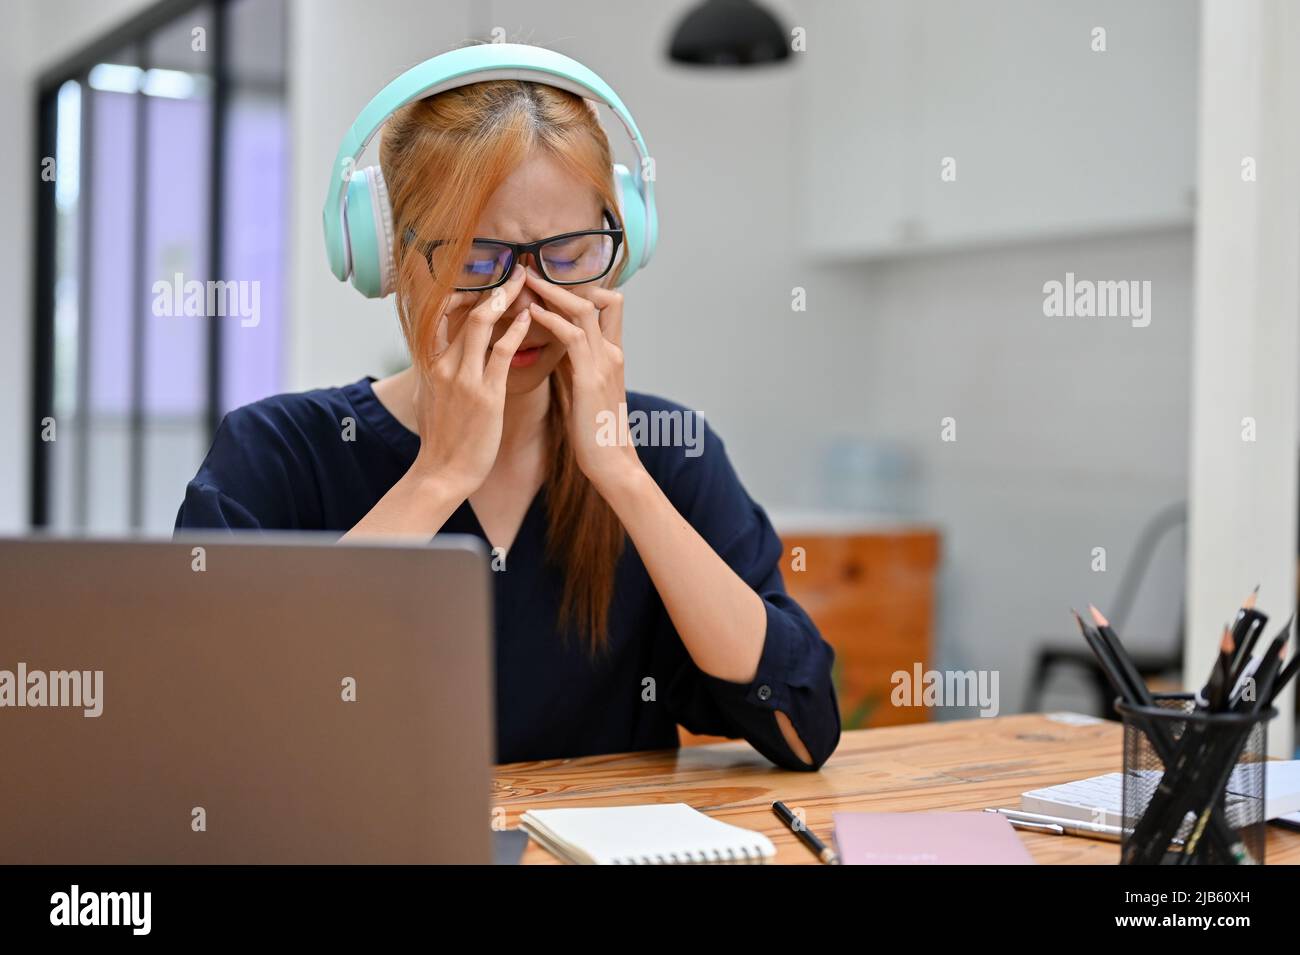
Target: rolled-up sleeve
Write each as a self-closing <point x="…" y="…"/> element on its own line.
<point x="793" y="677"/>
<point x="794" y="670"/>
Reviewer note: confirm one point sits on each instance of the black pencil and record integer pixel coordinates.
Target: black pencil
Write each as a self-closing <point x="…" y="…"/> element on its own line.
<point x="1109" y="666"/>
<point x="1272" y="657"/>
<point x="1285" y="676"/>
<point x="1217" y="688"/>
<point x="1246" y="629"/>
<point x="1137" y="688"/>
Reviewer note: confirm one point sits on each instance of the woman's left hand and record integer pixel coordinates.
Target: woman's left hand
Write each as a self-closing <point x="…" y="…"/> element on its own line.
<point x="588" y="321"/>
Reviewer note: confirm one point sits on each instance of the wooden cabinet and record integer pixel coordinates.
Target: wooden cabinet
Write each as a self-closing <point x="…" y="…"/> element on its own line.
<point x="871" y="591"/>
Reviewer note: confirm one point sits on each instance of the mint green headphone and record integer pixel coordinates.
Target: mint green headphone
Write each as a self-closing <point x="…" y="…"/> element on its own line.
<point x="358" y="217"/>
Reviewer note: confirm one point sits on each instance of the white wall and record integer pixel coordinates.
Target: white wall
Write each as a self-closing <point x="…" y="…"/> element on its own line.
<point x="1071" y="432"/>
<point x="336" y="335"/>
<point x="1243" y="505"/>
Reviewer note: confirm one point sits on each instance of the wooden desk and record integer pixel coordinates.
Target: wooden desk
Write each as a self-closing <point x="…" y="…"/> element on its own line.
<point x="967" y="764"/>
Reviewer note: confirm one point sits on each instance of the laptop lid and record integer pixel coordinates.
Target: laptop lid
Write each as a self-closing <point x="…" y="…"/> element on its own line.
<point x="245" y="699"/>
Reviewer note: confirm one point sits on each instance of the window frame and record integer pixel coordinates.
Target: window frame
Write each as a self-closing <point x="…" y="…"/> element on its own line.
<point x="134" y="34"/>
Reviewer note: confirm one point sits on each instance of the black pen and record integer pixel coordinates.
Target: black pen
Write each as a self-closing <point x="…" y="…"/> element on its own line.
<point x="819" y="848"/>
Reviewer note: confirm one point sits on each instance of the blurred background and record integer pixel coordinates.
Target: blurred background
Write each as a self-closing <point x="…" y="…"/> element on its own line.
<point x="860" y="204"/>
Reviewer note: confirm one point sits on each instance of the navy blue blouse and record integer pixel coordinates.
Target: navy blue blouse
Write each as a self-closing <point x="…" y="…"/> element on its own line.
<point x="280" y="464"/>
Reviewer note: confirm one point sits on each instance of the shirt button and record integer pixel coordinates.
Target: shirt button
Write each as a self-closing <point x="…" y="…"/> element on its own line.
<point x="764" y="692"/>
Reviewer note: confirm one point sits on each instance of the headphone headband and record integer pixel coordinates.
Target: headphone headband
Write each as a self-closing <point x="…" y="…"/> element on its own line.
<point x="474" y="64"/>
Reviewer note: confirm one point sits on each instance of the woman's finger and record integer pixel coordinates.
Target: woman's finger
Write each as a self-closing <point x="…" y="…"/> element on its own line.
<point x="584" y="313"/>
<point x="498" y="363"/>
<point x="610" y="304"/>
<point x="566" y="333"/>
<point x="483" y="317"/>
<point x="453" y="344"/>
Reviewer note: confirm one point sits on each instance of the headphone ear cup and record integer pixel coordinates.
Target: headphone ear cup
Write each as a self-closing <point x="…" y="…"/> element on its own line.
<point x="631" y="209"/>
<point x="369" y="221"/>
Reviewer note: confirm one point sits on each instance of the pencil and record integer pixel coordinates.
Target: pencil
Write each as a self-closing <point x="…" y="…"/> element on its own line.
<point x="804" y="835"/>
<point x="1138" y="691"/>
<point x="1109" y="665"/>
<point x="1285" y="676"/>
<point x="1246" y="628"/>
<point x="1217" y="687"/>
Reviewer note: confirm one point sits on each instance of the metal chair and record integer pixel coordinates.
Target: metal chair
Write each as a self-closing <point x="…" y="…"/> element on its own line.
<point x="1075" y="654"/>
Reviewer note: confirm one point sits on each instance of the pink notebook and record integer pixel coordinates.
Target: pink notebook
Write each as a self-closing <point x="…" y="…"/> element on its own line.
<point x="927" y="838"/>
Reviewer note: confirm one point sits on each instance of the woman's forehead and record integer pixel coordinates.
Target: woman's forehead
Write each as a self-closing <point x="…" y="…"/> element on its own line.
<point x="540" y="198"/>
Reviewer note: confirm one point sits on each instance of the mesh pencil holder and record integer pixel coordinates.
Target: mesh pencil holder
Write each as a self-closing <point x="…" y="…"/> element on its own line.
<point x="1193" y="784"/>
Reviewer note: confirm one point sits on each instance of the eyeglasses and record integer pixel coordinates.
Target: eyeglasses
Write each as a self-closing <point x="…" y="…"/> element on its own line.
<point x="572" y="258"/>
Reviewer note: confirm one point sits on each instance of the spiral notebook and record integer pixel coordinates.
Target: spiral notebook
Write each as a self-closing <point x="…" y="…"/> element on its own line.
<point x="663" y="834"/>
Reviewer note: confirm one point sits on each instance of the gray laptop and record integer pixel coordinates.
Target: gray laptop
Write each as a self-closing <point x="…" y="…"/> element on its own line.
<point x="244" y="700"/>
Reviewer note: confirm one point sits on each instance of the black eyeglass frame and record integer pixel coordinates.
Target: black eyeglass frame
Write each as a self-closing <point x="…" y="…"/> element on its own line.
<point x="519" y="249"/>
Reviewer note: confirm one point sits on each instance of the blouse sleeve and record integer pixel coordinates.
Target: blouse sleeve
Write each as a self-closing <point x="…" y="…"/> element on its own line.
<point x="206" y="507"/>
<point x="254" y="476"/>
<point x="794" y="671"/>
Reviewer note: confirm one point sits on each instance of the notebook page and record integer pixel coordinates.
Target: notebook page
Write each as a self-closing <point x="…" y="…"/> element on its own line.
<point x="665" y="833"/>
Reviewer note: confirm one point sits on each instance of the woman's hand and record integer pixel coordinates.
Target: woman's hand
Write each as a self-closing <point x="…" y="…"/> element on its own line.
<point x="460" y="393"/>
<point x="588" y="321"/>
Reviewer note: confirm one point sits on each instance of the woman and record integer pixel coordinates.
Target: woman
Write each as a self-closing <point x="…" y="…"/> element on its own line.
<point x="638" y="587"/>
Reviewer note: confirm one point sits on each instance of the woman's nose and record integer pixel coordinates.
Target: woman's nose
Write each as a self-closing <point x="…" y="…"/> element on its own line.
<point x="525" y="298"/>
<point x="526" y="295"/>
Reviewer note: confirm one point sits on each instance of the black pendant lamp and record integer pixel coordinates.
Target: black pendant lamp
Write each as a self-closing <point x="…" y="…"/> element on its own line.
<point x="729" y="33"/>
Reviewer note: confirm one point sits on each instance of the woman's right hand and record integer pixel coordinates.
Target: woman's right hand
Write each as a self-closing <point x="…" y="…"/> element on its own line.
<point x="460" y="392"/>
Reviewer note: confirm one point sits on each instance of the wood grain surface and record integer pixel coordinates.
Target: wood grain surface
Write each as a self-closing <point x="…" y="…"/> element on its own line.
<point x="966" y="764"/>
